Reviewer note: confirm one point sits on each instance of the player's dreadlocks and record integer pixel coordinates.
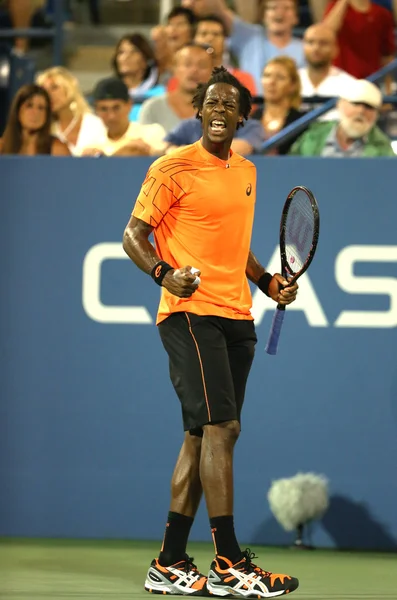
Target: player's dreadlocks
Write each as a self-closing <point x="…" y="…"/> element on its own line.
<point x="222" y="75"/>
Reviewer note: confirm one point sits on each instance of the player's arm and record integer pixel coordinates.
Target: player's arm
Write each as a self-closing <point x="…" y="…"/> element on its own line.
<point x="275" y="286"/>
<point x="141" y="251"/>
<point x="210" y="7"/>
<point x="254" y="269"/>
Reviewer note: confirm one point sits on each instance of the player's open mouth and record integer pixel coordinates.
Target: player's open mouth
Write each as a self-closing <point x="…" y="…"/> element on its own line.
<point x="217" y="126"/>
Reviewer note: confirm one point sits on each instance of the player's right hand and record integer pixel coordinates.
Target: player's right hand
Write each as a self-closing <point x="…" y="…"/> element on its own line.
<point x="180" y="282"/>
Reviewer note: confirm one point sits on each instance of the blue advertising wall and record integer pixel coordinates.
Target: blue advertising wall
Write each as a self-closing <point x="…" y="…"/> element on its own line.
<point x="89" y="423"/>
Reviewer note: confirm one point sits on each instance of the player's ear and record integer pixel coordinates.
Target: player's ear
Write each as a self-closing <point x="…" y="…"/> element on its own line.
<point x="240" y="120"/>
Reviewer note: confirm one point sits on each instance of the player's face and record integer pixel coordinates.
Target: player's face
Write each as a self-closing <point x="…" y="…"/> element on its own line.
<point x="356" y="119"/>
<point x="211" y="33"/>
<point x="319" y="46"/>
<point x="193" y="66"/>
<point x="33" y="113"/>
<point x="221" y="113"/>
<point x="280" y="16"/>
<point x="114" y="114"/>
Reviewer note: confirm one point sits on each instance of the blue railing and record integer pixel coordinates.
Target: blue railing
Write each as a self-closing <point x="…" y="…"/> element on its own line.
<point x="302" y="123"/>
<point x="55" y="33"/>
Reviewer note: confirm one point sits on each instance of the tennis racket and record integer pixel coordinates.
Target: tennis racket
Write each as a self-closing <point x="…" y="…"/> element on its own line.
<point x="299" y="231"/>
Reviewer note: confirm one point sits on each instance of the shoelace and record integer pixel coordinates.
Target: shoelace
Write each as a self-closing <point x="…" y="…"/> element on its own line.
<point x="248" y="556"/>
<point x="189" y="564"/>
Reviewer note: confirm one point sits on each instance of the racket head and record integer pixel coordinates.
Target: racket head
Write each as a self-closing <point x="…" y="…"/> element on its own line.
<point x="299" y="232"/>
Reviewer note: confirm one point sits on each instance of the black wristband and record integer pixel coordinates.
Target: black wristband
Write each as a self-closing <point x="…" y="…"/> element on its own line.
<point x="159" y="271"/>
<point x="263" y="283"/>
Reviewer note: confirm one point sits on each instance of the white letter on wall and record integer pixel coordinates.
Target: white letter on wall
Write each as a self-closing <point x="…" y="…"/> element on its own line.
<point x="91" y="288"/>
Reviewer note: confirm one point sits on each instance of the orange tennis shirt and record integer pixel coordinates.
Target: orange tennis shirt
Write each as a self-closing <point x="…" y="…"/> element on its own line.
<point x="202" y="212"/>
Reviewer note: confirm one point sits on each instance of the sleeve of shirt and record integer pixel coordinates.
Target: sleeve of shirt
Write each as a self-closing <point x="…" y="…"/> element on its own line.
<point x="156" y="138"/>
<point x="147" y="113"/>
<point x="296" y="148"/>
<point x="253" y="133"/>
<point x="247" y="80"/>
<point x="388" y="39"/>
<point x="158" y="194"/>
<point x="180" y="135"/>
<point x="241" y="33"/>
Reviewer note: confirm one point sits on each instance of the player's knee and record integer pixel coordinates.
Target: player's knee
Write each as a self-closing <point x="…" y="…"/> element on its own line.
<point x="229" y="430"/>
<point x="194" y="439"/>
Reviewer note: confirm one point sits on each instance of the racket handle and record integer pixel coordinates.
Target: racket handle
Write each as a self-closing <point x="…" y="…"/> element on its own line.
<point x="272" y="342"/>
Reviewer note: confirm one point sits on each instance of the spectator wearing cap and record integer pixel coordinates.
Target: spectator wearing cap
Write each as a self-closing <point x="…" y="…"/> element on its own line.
<point x="124" y="138"/>
<point x="365" y="34"/>
<point x="193" y="65"/>
<point x="355" y="134"/>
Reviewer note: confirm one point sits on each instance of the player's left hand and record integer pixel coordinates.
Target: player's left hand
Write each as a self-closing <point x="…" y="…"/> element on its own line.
<point x="280" y="291"/>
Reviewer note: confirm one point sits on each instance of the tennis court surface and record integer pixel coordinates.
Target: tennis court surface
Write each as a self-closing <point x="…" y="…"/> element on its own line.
<point x="52" y="569"/>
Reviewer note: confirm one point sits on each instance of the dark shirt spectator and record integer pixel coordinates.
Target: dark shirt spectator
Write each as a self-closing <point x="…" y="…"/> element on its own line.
<point x="28" y="129"/>
<point x="282" y="99"/>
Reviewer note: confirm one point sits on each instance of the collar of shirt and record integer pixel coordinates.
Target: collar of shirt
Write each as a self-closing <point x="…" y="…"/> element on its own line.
<point x="355" y="149"/>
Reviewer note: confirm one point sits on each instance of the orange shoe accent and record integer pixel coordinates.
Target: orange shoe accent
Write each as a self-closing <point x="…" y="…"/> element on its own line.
<point x="160" y="567"/>
<point x="198" y="585"/>
<point x="275" y="576"/>
<point x="227" y="561"/>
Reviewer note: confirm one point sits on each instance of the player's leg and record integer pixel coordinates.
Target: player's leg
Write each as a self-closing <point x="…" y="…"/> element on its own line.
<point x="173" y="572"/>
<point x="216" y="472"/>
<point x="186" y="489"/>
<point x="186" y="492"/>
<point x="231" y="574"/>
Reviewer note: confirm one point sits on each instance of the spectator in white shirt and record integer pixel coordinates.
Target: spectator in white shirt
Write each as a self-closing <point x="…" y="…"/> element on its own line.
<point x="73" y="121"/>
<point x="319" y="77"/>
<point x="124" y="138"/>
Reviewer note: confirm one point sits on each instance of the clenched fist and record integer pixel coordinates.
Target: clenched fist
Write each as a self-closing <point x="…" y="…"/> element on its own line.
<point x="182" y="282"/>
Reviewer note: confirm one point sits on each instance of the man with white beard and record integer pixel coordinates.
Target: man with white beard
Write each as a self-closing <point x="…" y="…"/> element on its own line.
<point x="355" y="133"/>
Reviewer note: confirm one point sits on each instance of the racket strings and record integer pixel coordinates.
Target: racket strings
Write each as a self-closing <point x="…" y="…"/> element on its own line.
<point x="299" y="231"/>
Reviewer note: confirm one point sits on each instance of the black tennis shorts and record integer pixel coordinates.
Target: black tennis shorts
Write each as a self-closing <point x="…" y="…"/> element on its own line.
<point x="210" y="359"/>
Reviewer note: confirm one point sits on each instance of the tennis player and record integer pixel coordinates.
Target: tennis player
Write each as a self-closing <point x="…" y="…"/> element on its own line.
<point x="199" y="202"/>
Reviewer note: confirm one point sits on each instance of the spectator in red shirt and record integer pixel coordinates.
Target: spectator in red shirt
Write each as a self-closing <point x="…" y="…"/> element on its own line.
<point x="365" y="35"/>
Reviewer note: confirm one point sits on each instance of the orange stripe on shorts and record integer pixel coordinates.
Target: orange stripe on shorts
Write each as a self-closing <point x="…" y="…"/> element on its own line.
<point x="201" y="366"/>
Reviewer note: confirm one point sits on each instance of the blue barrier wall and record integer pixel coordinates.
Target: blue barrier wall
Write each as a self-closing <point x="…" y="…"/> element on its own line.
<point x="89" y="424"/>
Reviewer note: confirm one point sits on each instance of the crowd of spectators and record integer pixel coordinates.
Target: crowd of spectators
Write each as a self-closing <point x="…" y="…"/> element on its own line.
<point x="146" y="107"/>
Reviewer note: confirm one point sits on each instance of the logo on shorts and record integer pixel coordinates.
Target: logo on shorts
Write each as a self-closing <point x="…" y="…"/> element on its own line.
<point x="248" y="190"/>
<point x="157" y="271"/>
